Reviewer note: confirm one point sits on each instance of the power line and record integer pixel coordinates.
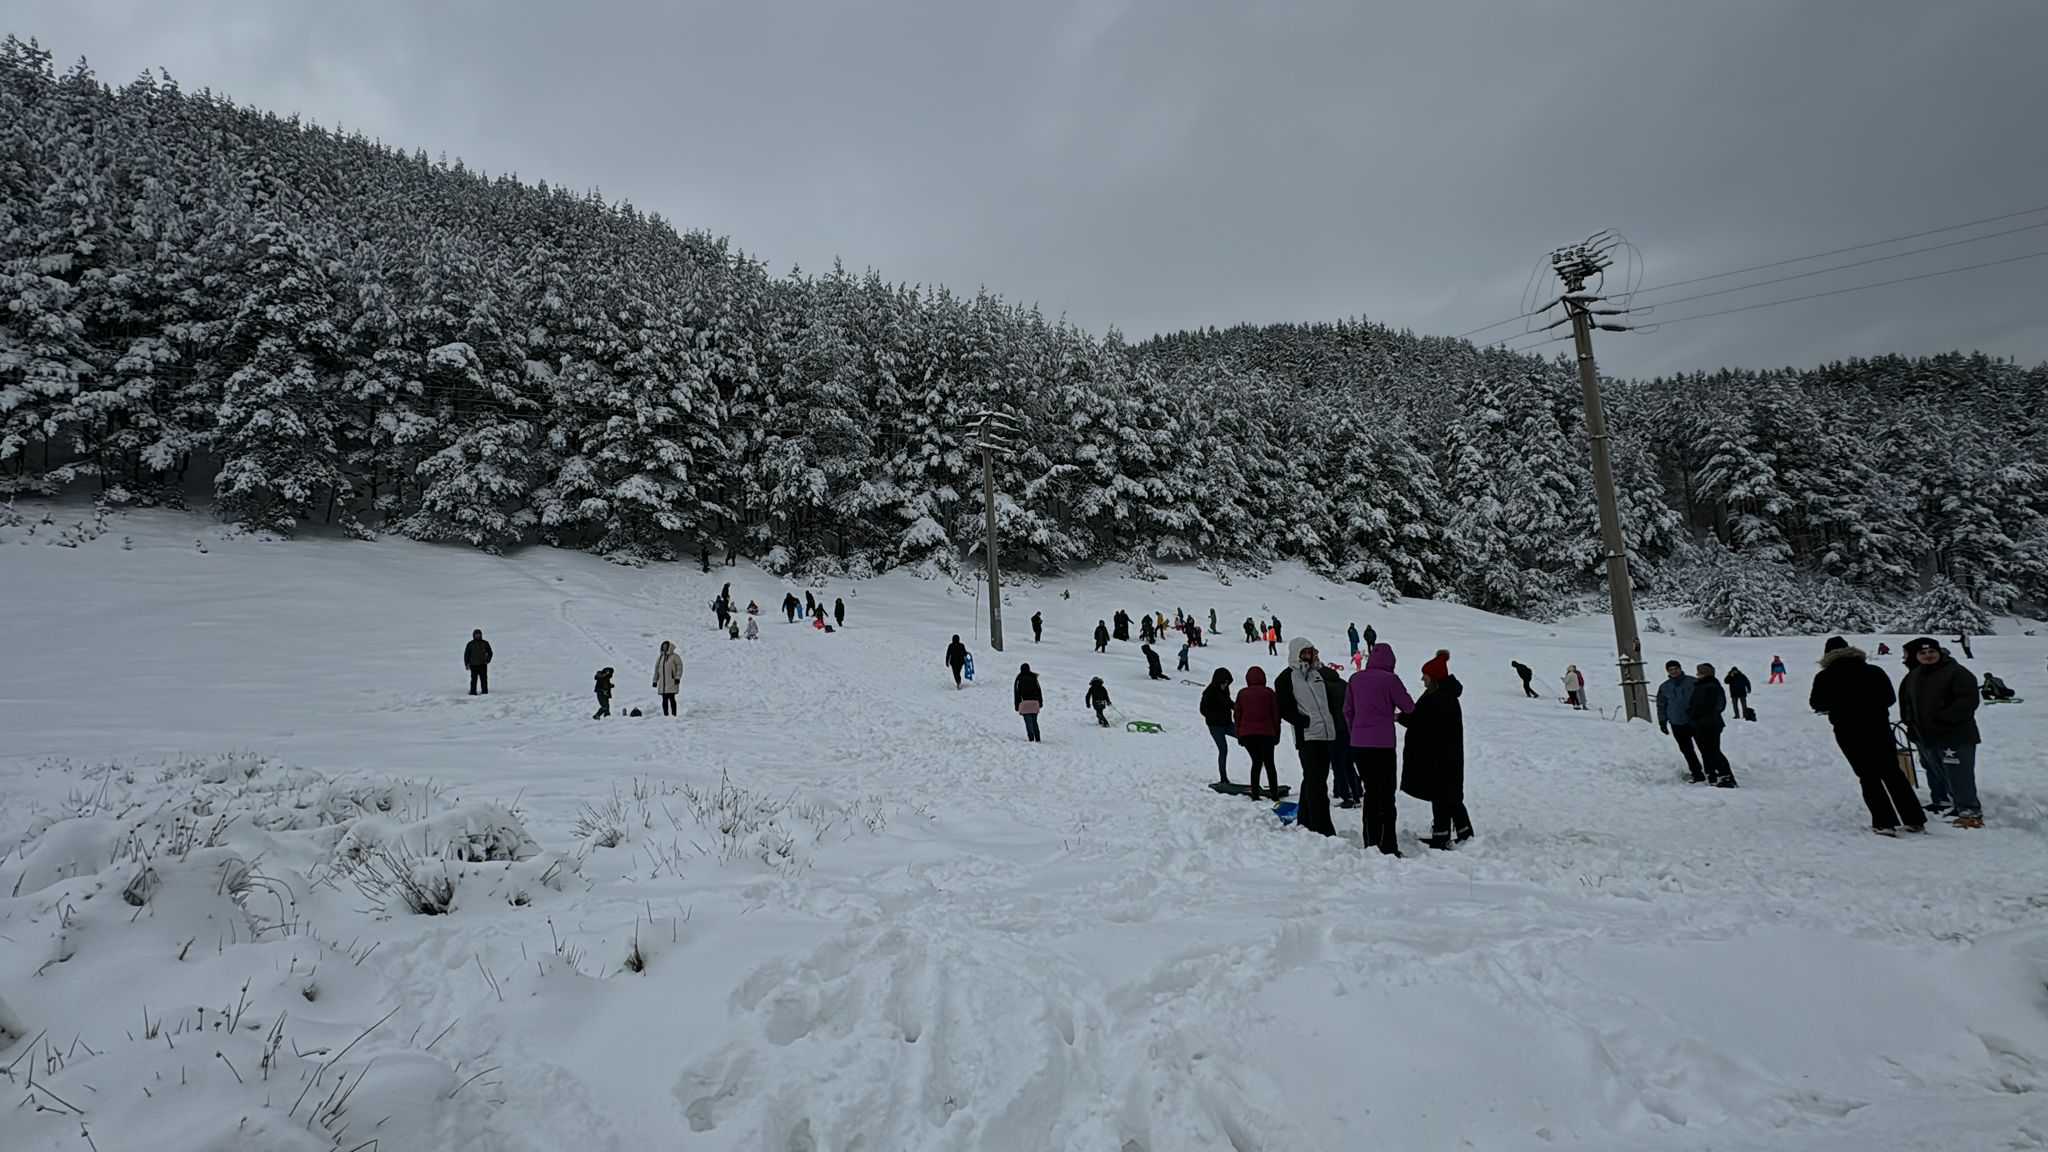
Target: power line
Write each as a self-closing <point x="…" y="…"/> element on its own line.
<point x="1854" y="288"/>
<point x="1852" y="264"/>
<point x="1850" y="248"/>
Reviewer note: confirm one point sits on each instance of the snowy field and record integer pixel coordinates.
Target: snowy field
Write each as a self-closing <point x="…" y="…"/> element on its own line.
<point x="838" y="905"/>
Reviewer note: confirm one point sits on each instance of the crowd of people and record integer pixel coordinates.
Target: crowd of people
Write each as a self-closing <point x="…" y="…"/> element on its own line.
<point x="1345" y="729"/>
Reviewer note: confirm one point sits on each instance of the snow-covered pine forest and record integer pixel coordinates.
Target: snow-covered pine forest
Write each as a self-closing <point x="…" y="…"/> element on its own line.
<point x="317" y="328"/>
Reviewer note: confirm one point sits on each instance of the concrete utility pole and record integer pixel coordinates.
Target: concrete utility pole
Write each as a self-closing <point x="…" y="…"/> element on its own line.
<point x="992" y="432"/>
<point x="1575" y="265"/>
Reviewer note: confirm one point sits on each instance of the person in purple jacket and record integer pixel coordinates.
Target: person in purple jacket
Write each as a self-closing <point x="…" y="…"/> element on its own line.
<point x="1370" y="703"/>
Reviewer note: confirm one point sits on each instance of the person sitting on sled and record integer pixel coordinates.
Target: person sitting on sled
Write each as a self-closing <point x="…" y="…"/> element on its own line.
<point x="1995" y="689"/>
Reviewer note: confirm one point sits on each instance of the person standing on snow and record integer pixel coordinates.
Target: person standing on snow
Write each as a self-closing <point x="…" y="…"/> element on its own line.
<point x="1122" y="631"/>
<point x="753" y="629"/>
<point x="789" y="606"/>
<point x="956" y="658"/>
<point x="1212" y="620"/>
<point x="1963" y="642"/>
<point x="668" y="676"/>
<point x="602" y="685"/>
<point x="1277" y="633"/>
<point x="1101" y="636"/>
<point x="1574" y="687"/>
<point x="1705" y="707"/>
<point x="1145" y="633"/>
<point x="1251" y="633"/>
<point x="1029" y="701"/>
<point x="810" y="605"/>
<point x="1352" y="634"/>
<point x="1098" y="699"/>
<point x="476" y="656"/>
<point x="1257" y="715"/>
<point x="1273" y="643"/>
<point x="1037" y="627"/>
<point x="1856" y="697"/>
<point x="1777" y="670"/>
<point x="1217" y="714"/>
<point x="1371" y="702"/>
<point x="1738" y="692"/>
<point x="718" y="609"/>
<point x="1938" y="702"/>
<point x="1525" y="672"/>
<point x="1674" y="715"/>
<point x="1371" y="638"/>
<point x="1433" y="755"/>
<point x="1152" y="669"/>
<point x="1185" y="643"/>
<point x="1311" y="698"/>
<point x="839" y="612"/>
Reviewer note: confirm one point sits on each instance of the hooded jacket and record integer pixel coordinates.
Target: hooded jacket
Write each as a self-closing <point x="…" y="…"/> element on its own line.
<point x="668" y="670"/>
<point x="1216" y="711"/>
<point x="1152" y="668"/>
<point x="1707" y="704"/>
<point x="1433" y="752"/>
<point x="1939" y="703"/>
<point x="1674" y="701"/>
<point x="1738" y="683"/>
<point x="476" y="653"/>
<point x="1098" y="694"/>
<point x="1258" y="709"/>
<point x="1373" y="697"/>
<point x="956" y="655"/>
<point x="1311" y="699"/>
<point x="1855" y="694"/>
<point x="1026" y="688"/>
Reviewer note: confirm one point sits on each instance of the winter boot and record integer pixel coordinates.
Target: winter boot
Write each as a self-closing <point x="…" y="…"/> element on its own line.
<point x="1891" y="832"/>
<point x="1970" y="821"/>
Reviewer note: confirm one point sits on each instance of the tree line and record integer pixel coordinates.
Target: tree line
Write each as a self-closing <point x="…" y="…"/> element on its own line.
<point x="316" y="328"/>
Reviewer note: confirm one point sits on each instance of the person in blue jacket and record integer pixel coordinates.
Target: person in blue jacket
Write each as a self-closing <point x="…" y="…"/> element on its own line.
<point x="1674" y="715"/>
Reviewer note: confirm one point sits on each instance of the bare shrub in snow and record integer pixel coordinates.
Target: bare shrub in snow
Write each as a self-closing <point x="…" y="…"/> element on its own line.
<point x="392" y="877"/>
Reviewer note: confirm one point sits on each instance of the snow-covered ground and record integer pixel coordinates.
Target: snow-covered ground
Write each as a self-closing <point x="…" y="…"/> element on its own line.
<point x="869" y="916"/>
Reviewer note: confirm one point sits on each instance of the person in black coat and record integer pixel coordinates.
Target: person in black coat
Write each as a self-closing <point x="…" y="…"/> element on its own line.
<point x="1433" y="754"/>
<point x="1037" y="627"/>
<point x="1029" y="701"/>
<point x="476" y="656"/>
<point x="1738" y="692"/>
<point x="1101" y="636"/>
<point x="1145" y="633"/>
<point x="1251" y="630"/>
<point x="839" y="612"/>
<point x="1856" y="697"/>
<point x="1098" y="699"/>
<point x="1708" y="704"/>
<point x="1524" y="671"/>
<point x="956" y="658"/>
<point x="1152" y="669"/>
<point x="1938" y="702"/>
<point x="1218" y="714"/>
<point x="789" y="606"/>
<point x="1122" y="631"/>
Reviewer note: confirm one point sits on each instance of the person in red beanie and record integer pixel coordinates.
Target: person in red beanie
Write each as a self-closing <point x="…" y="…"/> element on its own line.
<point x="1433" y="758"/>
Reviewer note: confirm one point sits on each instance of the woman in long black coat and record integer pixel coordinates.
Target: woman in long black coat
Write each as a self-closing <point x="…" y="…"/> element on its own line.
<point x="1433" y="754"/>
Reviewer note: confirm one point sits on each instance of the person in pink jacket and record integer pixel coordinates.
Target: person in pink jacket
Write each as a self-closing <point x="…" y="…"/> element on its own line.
<point x="1370" y="703"/>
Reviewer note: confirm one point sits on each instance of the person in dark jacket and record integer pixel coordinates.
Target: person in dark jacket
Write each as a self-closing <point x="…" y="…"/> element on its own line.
<point x="1370" y="638"/>
<point x="1963" y="642"/>
<point x="1122" y="629"/>
<point x="1938" y="702"/>
<point x="720" y="610"/>
<point x="1182" y="664"/>
<point x="839" y="612"/>
<point x="1738" y="692"/>
<point x="1433" y="753"/>
<point x="1145" y="633"/>
<point x="956" y="658"/>
<point x="810" y="605"/>
<point x="1212" y="620"/>
<point x="1029" y="701"/>
<point x="603" y="687"/>
<point x="1707" y="705"/>
<point x="1277" y="633"/>
<point x="1101" y="636"/>
<point x="1994" y="690"/>
<point x="1152" y="669"/>
<point x="1098" y="699"/>
<point x="1352" y="634"/>
<point x="1525" y="672"/>
<point x="1217" y="714"/>
<point x="789" y="606"/>
<point x="1674" y="715"/>
<point x="1856" y="697"/>
<point x="476" y="656"/>
<point x="1257" y="713"/>
<point x="1037" y="627"/>
<point x="1251" y="631"/>
<point x="1311" y="698"/>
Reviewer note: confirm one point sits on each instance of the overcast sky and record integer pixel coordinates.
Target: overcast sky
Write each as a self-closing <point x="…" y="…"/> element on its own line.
<point x="1161" y="164"/>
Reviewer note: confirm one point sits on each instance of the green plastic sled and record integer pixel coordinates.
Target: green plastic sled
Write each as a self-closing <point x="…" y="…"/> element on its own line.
<point x="1142" y="726"/>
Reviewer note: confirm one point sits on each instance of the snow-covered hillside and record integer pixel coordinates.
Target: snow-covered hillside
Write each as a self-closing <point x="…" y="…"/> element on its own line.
<point x="839" y="905"/>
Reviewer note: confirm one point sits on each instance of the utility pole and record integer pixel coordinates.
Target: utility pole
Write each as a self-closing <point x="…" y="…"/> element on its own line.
<point x="992" y="435"/>
<point x="1574" y="266"/>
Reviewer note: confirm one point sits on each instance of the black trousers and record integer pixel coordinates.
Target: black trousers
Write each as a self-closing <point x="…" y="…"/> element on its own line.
<point x="1529" y="691"/>
<point x="1886" y="791"/>
<point x="1099" y="717"/>
<point x="1313" y="811"/>
<point x="1448" y="817"/>
<point x="1737" y="705"/>
<point x="1037" y="633"/>
<point x="480" y="680"/>
<point x="1376" y="773"/>
<point x="1716" y="764"/>
<point x="956" y="673"/>
<point x="668" y="703"/>
<point x="604" y="707"/>
<point x="1683" y="734"/>
<point x="1260" y="749"/>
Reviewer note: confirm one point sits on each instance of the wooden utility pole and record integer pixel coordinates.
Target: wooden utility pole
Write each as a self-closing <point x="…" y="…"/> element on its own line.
<point x="1575" y="265"/>
<point x="992" y="432"/>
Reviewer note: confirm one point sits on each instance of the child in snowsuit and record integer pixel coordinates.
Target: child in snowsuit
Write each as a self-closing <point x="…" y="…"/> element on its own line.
<point x="1183" y="665"/>
<point x="1777" y="669"/>
<point x="1098" y="699"/>
<point x="753" y="629"/>
<point x="603" y="688"/>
